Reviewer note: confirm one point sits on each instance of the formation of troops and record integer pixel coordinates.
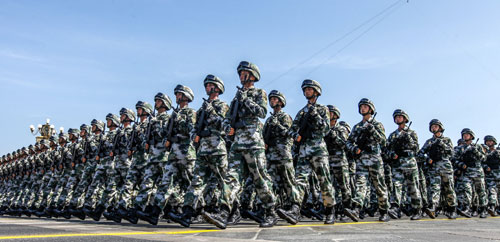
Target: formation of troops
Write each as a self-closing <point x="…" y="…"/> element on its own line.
<point x="220" y="164"/>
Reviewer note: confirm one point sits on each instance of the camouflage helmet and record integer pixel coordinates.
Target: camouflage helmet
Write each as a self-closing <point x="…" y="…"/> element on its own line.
<point x="64" y="136"/>
<point x="75" y="132"/>
<point x="85" y="127"/>
<point x="436" y="122"/>
<point x="399" y="112"/>
<point x="53" y="138"/>
<point x="346" y="125"/>
<point x="490" y="137"/>
<point x="129" y="114"/>
<point x="45" y="143"/>
<point x="146" y="107"/>
<point x="334" y="110"/>
<point x="312" y="84"/>
<point x="115" y="120"/>
<point x="468" y="131"/>
<point x="98" y="124"/>
<point x="216" y="81"/>
<point x="167" y="102"/>
<point x="460" y="141"/>
<point x="250" y="67"/>
<point x="37" y="145"/>
<point x="368" y="102"/>
<point x="31" y="147"/>
<point x="279" y="95"/>
<point x="24" y="150"/>
<point x="188" y="93"/>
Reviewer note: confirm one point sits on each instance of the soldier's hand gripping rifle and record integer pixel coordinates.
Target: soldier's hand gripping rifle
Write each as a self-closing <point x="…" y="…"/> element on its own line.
<point x="101" y="143"/>
<point x="201" y="125"/>
<point x="170" y="129"/>
<point x="115" y="142"/>
<point x="148" y="131"/>
<point x="131" y="139"/>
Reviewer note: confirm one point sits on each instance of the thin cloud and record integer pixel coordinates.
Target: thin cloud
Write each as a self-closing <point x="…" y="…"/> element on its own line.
<point x="20" y="56"/>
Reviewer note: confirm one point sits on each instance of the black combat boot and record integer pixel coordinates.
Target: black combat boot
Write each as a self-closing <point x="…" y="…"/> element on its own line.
<point x="150" y="215"/>
<point x="257" y="216"/>
<point x="270" y="218"/>
<point x="97" y="213"/>
<point x="234" y="216"/>
<point x="219" y="219"/>
<point x="184" y="218"/>
<point x="416" y="214"/>
<point x="352" y="213"/>
<point x="383" y="216"/>
<point x="431" y="211"/>
<point x="465" y="211"/>
<point x="491" y="210"/>
<point x="482" y="212"/>
<point x="393" y="211"/>
<point x="132" y="215"/>
<point x="291" y="216"/>
<point x="112" y="214"/>
<point x="78" y="212"/>
<point x="329" y="215"/>
<point x="451" y="213"/>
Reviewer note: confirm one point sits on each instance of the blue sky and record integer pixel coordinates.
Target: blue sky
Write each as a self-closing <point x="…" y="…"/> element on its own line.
<point x="72" y="61"/>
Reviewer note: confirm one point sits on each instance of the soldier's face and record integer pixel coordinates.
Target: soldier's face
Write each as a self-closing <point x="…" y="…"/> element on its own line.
<point x="158" y="103"/>
<point x="333" y="116"/>
<point x="434" y="128"/>
<point x="108" y="122"/>
<point x="399" y="119"/>
<point x="466" y="137"/>
<point x="94" y="128"/>
<point x="308" y="92"/>
<point x="364" y="109"/>
<point x="139" y="111"/>
<point x="209" y="87"/>
<point x="178" y="97"/>
<point x="274" y="101"/>
<point x="490" y="143"/>
<point x="245" y="76"/>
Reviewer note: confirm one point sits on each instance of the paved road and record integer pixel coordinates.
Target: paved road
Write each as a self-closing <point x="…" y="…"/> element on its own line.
<point x="35" y="229"/>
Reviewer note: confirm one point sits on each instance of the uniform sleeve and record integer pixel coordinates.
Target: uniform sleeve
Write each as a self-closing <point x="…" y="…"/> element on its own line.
<point x="258" y="106"/>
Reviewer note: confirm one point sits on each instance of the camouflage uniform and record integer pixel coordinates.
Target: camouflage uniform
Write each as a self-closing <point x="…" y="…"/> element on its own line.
<point x="471" y="157"/>
<point x="402" y="144"/>
<point x="158" y="154"/>
<point x="336" y="140"/>
<point x="369" y="137"/>
<point x="439" y="150"/>
<point x="492" y="170"/>
<point x="178" y="170"/>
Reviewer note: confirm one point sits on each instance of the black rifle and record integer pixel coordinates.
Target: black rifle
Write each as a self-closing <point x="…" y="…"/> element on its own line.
<point x="132" y="136"/>
<point x="364" y="139"/>
<point x="101" y="141"/>
<point x="304" y="126"/>
<point x="170" y="128"/>
<point x="268" y="133"/>
<point x="115" y="141"/>
<point x="148" y="130"/>
<point x="202" y="123"/>
<point x="235" y="108"/>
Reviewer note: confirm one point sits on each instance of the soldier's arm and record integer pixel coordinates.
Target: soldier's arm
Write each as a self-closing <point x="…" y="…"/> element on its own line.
<point x="422" y="153"/>
<point x="294" y="129"/>
<point x="219" y="113"/>
<point x="284" y="124"/>
<point x="186" y="123"/>
<point x="257" y="107"/>
<point x="379" y="133"/>
<point x="351" y="141"/>
<point x="322" y="121"/>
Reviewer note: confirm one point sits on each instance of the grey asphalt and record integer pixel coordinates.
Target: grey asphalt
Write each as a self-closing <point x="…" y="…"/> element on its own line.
<point x="35" y="229"/>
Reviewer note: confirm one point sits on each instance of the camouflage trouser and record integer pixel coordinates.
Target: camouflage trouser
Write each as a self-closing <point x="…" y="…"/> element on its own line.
<point x="42" y="192"/>
<point x="493" y="185"/>
<point x="370" y="167"/>
<point x="135" y="175"/>
<point x="320" y="166"/>
<point x="58" y="190"/>
<point x="176" y="179"/>
<point x="352" y="175"/>
<point x="441" y="178"/>
<point x="406" y="177"/>
<point x="209" y="169"/>
<point x="152" y="177"/>
<point x="284" y="185"/>
<point x="473" y="177"/>
<point x="96" y="188"/>
<point x="422" y="186"/>
<point x="21" y="191"/>
<point x="85" y="181"/>
<point x="252" y="162"/>
<point x="67" y="193"/>
<point x="114" y="184"/>
<point x="340" y="175"/>
<point x="36" y="183"/>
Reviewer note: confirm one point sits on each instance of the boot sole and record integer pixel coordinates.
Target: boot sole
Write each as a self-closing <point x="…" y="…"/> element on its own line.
<point x="285" y="217"/>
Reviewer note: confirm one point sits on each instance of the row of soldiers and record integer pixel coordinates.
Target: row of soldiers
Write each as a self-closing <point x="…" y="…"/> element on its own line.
<point x="222" y="164"/>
